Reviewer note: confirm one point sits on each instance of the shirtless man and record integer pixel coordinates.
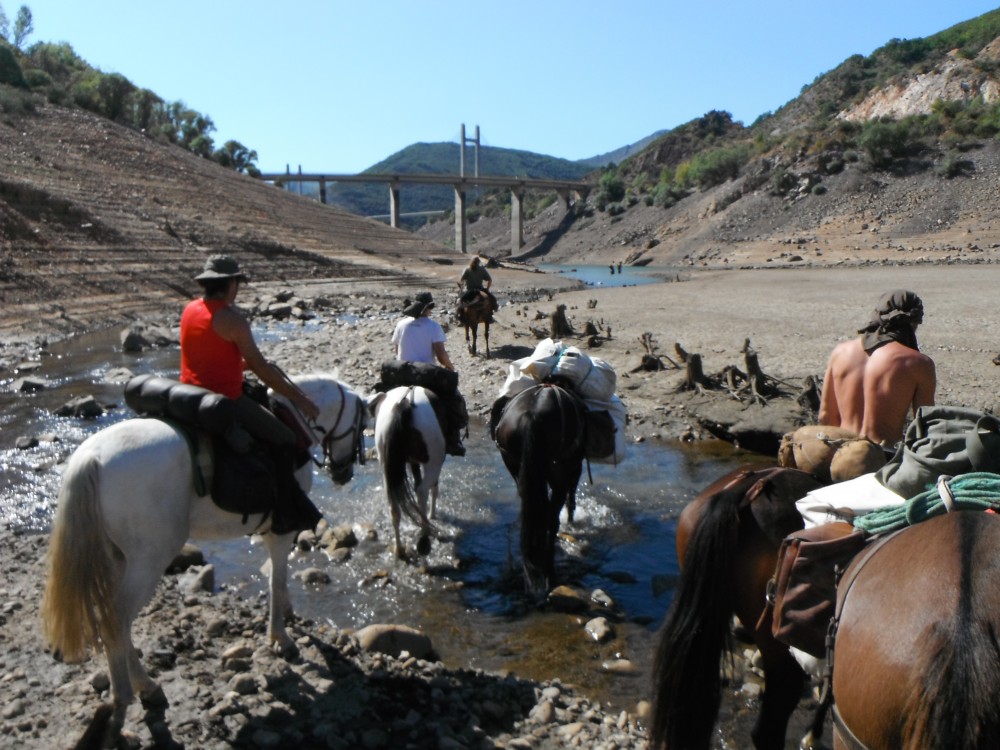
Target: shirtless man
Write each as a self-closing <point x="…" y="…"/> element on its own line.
<point x="873" y="381"/>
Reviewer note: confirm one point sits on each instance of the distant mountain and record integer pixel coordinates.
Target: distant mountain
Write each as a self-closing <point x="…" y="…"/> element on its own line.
<point x="620" y="154"/>
<point x="443" y="158"/>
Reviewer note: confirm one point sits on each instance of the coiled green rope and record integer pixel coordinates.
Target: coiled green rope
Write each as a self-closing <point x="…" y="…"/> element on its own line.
<point x="975" y="491"/>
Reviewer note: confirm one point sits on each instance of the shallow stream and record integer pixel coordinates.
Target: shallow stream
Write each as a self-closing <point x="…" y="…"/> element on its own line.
<point x="468" y="595"/>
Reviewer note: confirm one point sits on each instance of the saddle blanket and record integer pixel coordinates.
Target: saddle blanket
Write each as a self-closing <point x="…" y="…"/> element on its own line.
<point x="845" y="500"/>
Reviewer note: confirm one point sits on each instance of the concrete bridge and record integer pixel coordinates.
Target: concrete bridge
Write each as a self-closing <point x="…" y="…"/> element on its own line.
<point x="566" y="189"/>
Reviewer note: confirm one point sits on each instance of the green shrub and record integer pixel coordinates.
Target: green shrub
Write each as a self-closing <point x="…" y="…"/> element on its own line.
<point x="886" y="141"/>
<point x="718" y="165"/>
<point x="15" y="100"/>
<point x="36" y="78"/>
<point x="610" y="188"/>
<point x="955" y="167"/>
<point x="819" y="189"/>
<point x="10" y="70"/>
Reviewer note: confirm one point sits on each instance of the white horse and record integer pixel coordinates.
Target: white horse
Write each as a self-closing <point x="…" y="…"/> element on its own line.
<point x="407" y="432"/>
<point x="126" y="506"/>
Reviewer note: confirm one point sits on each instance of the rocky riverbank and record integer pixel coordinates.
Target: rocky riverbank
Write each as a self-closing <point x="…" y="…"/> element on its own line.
<point x="207" y="649"/>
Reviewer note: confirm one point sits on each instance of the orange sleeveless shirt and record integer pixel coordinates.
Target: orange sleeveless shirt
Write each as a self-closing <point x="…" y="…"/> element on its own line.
<point x="207" y="359"/>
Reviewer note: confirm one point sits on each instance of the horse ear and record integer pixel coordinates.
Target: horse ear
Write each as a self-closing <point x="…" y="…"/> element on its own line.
<point x="373" y="402"/>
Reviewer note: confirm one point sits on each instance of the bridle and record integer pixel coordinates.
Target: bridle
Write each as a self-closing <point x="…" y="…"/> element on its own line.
<point x="328" y="436"/>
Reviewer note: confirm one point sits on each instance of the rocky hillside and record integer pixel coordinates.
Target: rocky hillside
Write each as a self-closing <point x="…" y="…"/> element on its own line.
<point x="890" y="158"/>
<point x="98" y="222"/>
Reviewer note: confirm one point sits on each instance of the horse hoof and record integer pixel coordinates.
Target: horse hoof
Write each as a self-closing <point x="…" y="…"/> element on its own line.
<point x="424" y="545"/>
<point x="154" y="698"/>
<point x="285" y="648"/>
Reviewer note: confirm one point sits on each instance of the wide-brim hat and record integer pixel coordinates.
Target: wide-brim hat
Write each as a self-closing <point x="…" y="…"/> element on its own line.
<point x="422" y="301"/>
<point x="221" y="267"/>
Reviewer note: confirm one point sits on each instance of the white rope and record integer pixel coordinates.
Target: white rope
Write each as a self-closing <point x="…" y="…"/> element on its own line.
<point x="947" y="497"/>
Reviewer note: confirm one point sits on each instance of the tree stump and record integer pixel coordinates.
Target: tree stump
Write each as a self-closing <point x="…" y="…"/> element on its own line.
<point x="695" y="378"/>
<point x="809" y="397"/>
<point x="559" y="324"/>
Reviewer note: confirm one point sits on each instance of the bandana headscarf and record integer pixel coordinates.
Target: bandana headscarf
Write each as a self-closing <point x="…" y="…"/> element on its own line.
<point x="892" y="320"/>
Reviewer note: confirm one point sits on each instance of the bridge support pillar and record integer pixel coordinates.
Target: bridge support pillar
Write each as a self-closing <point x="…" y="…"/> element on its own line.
<point x="564" y="197"/>
<point x="460" y="219"/>
<point x="322" y="190"/>
<point x="394" y="204"/>
<point x="516" y="219"/>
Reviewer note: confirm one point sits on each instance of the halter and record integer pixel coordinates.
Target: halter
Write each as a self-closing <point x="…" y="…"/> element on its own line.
<point x="331" y="435"/>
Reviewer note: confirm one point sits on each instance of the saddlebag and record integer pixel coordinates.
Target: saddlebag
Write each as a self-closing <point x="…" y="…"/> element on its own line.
<point x="599" y="440"/>
<point x="188" y="404"/>
<point x="803" y="591"/>
<point x="401" y="373"/>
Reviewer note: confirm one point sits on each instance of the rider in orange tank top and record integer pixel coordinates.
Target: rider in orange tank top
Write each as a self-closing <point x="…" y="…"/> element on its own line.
<point x="217" y="345"/>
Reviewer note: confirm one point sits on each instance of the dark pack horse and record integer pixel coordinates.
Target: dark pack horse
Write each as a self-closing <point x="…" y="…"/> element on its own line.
<point x="541" y="436"/>
<point x="915" y="660"/>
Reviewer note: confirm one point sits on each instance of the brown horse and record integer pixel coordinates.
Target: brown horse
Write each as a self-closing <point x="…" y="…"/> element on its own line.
<point x="471" y="314"/>
<point x="727" y="543"/>
<point x="916" y="658"/>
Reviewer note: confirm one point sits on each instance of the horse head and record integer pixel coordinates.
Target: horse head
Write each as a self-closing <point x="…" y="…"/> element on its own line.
<point x="340" y="426"/>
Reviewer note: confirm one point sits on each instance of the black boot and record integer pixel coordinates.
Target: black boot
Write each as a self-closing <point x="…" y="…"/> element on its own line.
<point x="293" y="511"/>
<point x="453" y="443"/>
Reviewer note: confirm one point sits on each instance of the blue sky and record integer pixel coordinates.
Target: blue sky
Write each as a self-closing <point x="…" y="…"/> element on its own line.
<point x="338" y="85"/>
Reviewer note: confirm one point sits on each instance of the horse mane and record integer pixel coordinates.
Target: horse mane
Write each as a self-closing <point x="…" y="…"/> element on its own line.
<point x="956" y="703"/>
<point x="312" y="377"/>
<point x="695" y="635"/>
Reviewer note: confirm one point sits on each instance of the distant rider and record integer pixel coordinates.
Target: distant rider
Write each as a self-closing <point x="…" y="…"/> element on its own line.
<point x="476" y="281"/>
<point x="217" y="345"/>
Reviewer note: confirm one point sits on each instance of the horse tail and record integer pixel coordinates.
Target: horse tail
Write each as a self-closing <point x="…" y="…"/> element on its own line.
<point x="695" y="634"/>
<point x="398" y="485"/>
<point x="78" y="606"/>
<point x="532" y="488"/>
<point x="956" y="702"/>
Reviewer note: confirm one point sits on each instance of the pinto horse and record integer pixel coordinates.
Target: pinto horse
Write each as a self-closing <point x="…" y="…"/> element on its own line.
<point x="470" y="315"/>
<point x="916" y="659"/>
<point x="126" y="506"/>
<point x="408" y="433"/>
<point x="541" y="437"/>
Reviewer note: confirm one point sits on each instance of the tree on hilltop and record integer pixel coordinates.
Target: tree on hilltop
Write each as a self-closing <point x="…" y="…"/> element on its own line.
<point x="237" y="156"/>
<point x="23" y="26"/>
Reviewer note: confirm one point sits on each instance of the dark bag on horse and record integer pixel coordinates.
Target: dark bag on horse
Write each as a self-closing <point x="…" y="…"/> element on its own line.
<point x="942" y="440"/>
<point x="243" y="482"/>
<point x="804" y="598"/>
<point x="599" y="442"/>
<point x="397" y="372"/>
<point x="188" y="404"/>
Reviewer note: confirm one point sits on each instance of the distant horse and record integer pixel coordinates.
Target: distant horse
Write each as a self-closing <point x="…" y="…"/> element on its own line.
<point x="916" y="661"/>
<point x="126" y="506"/>
<point x="408" y="433"/>
<point x="470" y="315"/>
<point x="541" y="434"/>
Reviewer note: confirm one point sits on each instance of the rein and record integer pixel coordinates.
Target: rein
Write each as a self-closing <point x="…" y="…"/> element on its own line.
<point x="330" y="436"/>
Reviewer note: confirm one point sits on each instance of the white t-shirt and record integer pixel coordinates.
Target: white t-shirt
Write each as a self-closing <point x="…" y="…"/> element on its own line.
<point x="414" y="339"/>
